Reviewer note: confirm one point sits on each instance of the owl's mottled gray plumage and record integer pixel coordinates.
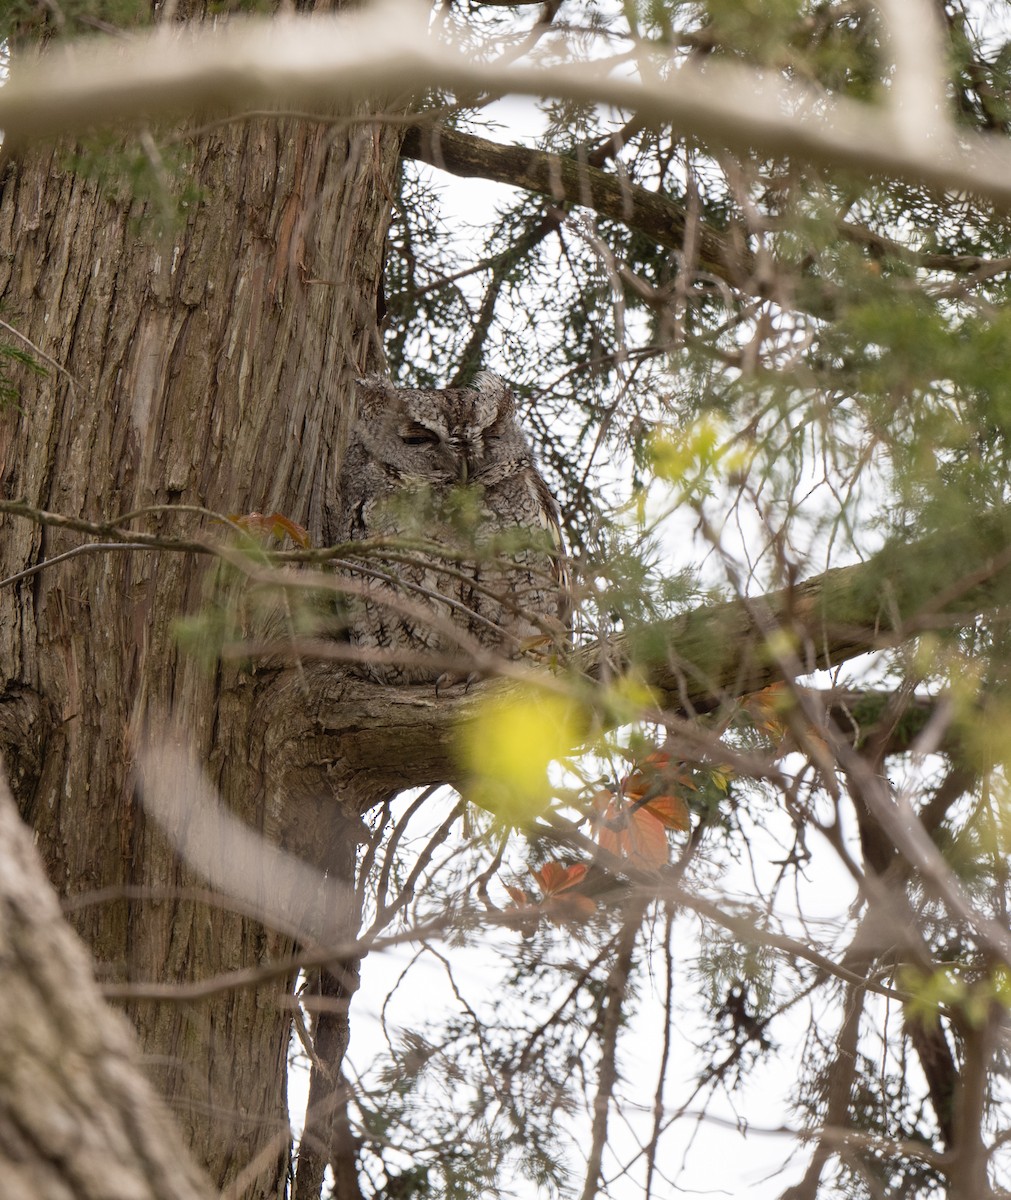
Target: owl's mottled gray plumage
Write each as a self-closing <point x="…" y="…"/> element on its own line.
<point x="412" y="454"/>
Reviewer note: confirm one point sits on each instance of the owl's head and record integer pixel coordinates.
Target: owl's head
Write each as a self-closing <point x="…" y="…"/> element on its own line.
<point x="444" y="437"/>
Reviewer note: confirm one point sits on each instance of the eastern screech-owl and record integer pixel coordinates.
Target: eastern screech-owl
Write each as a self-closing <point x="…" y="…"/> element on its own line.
<point x="453" y="467"/>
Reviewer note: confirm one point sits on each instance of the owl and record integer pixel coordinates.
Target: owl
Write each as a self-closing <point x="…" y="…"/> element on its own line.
<point x="450" y="469"/>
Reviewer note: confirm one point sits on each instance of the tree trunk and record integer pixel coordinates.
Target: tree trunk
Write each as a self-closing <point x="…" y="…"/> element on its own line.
<point x="208" y="366"/>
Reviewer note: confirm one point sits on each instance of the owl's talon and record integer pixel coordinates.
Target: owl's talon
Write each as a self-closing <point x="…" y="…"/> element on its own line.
<point x="451" y="678"/>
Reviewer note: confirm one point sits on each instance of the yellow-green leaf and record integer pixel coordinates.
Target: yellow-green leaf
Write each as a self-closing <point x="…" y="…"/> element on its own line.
<point x="507" y="748"/>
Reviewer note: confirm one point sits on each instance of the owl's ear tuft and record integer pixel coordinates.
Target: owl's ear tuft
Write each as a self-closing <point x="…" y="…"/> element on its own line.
<point x="494" y="398"/>
<point x="375" y="394"/>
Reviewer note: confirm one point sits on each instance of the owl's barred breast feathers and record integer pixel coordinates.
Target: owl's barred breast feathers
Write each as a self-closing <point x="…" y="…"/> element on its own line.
<point x="449" y="468"/>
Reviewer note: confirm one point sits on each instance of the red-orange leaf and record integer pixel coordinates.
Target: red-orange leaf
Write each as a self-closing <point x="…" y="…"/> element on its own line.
<point x="766" y="709"/>
<point x="553" y="878"/>
<point x="640" y="783"/>
<point x="635" y="786"/>
<point x="275" y="524"/>
<point x="517" y="895"/>
<point x="634" y="834"/>
<point x="298" y="533"/>
<point x="670" y="811"/>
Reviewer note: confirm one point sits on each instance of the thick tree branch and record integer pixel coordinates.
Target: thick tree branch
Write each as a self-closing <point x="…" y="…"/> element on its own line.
<point x="575" y="181"/>
<point x="394" y="738"/>
<point x="580" y="181"/>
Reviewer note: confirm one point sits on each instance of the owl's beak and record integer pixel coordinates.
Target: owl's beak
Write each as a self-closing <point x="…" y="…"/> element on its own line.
<point x="464" y="469"/>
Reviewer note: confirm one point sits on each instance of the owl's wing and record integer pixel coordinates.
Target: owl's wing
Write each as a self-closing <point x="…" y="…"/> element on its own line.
<point x="551" y="520"/>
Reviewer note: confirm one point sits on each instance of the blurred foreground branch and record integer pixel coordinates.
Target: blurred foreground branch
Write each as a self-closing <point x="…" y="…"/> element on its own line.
<point x="317" y="60"/>
<point x="77" y="1115"/>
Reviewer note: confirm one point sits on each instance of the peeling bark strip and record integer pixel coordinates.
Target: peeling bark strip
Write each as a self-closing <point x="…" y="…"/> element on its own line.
<point x="77" y="1114"/>
<point x="208" y="365"/>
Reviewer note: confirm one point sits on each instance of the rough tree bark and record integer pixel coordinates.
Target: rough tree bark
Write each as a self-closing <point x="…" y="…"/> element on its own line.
<point x="77" y="1116"/>
<point x="210" y="366"/>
